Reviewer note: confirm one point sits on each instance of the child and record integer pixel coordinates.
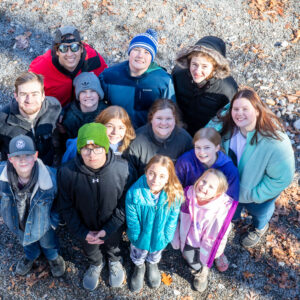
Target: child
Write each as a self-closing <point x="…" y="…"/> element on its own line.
<point x="207" y="154"/>
<point x="152" y="209"/>
<point x="27" y="190"/>
<point x="204" y="225"/>
<point x="119" y="131"/>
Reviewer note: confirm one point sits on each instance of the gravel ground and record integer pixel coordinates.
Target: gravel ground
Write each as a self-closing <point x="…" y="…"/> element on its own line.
<point x="263" y="54"/>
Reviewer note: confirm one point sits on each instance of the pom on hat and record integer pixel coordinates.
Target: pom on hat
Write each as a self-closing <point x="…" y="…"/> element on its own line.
<point x="147" y="40"/>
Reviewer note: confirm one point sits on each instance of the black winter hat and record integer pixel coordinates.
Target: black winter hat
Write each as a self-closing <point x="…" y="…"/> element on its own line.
<point x="214" y="43"/>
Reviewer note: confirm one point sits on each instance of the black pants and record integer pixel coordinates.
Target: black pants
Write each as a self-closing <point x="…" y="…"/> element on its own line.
<point x="110" y="248"/>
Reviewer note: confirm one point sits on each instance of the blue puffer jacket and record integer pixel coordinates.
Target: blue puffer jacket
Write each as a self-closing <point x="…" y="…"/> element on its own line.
<point x="40" y="218"/>
<point x="136" y="94"/>
<point x="150" y="226"/>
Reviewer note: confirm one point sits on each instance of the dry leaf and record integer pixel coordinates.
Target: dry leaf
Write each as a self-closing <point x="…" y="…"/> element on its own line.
<point x="51" y="286"/>
<point x="166" y="279"/>
<point x="248" y="275"/>
<point x="186" y="298"/>
<point x="22" y="42"/>
<point x="85" y="4"/>
<point x="141" y="14"/>
<point x="251" y="296"/>
<point x="162" y="41"/>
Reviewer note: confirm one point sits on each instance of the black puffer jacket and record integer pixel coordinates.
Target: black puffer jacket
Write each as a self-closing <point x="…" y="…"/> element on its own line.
<point x="145" y="146"/>
<point x="40" y="130"/>
<point x="199" y="103"/>
<point x="93" y="200"/>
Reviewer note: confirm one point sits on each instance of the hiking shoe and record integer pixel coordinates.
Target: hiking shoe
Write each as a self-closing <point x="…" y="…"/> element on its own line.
<point x="201" y="279"/>
<point x="91" y="277"/>
<point x="137" y="278"/>
<point x="116" y="273"/>
<point x="24" y="266"/>
<point x="222" y="263"/>
<point x="57" y="266"/>
<point x="153" y="275"/>
<point x="252" y="238"/>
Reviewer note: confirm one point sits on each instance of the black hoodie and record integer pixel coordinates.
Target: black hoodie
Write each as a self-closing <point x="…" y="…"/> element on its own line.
<point x="200" y="103"/>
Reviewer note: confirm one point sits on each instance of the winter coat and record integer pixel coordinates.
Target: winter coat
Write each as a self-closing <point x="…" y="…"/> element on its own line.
<point x="199" y="103"/>
<point x="266" y="168"/>
<point x="74" y="118"/>
<point x="57" y="80"/>
<point x="215" y="230"/>
<point x="93" y="200"/>
<point x="189" y="169"/>
<point x="41" y="130"/>
<point x="40" y="217"/>
<point x="145" y="146"/>
<point x="136" y="94"/>
<point x="151" y="226"/>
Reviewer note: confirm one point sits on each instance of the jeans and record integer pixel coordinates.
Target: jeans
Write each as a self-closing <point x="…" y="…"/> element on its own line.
<point x="110" y="247"/>
<point x="261" y="212"/>
<point x="48" y="244"/>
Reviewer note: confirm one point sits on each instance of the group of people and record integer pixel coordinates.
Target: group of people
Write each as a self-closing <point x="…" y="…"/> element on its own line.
<point x="166" y="158"/>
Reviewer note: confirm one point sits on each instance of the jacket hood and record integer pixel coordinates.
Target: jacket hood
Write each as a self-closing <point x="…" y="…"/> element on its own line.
<point x="212" y="46"/>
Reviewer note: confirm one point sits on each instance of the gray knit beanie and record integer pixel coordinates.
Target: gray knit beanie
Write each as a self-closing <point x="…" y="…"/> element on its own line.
<point x="87" y="81"/>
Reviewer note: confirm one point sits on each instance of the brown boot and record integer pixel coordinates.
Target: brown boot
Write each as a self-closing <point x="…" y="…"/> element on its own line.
<point x="200" y="279"/>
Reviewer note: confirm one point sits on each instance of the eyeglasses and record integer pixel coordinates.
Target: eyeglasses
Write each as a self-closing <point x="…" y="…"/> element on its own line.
<point x="64" y="48"/>
<point x="88" y="151"/>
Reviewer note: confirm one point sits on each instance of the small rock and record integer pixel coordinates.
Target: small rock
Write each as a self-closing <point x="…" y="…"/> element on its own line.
<point x="176" y="292"/>
<point x="234" y="266"/>
<point x="277" y="44"/>
<point x="297" y="124"/>
<point x="290" y="107"/>
<point x="283" y="111"/>
<point x="291" y="117"/>
<point x="221" y="286"/>
<point x="278" y="114"/>
<point x="284" y="44"/>
<point x="270" y="101"/>
<point x="282" y="102"/>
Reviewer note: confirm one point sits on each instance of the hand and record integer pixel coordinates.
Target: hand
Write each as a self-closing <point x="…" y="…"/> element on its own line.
<point x="91" y="236"/>
<point x="96" y="240"/>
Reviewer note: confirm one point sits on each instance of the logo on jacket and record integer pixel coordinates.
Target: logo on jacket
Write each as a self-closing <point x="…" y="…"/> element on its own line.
<point x="20" y="144"/>
<point x="95" y="180"/>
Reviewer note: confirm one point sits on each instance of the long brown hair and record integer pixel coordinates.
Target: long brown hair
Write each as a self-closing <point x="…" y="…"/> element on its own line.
<point x="163" y="103"/>
<point x="208" y="133"/>
<point x="117" y="112"/>
<point x="173" y="188"/>
<point x="267" y="123"/>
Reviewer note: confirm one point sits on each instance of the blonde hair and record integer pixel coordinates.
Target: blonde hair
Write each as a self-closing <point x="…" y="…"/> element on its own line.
<point x="223" y="184"/>
<point x="173" y="187"/>
<point x="208" y="133"/>
<point x="117" y="112"/>
<point x="29" y="77"/>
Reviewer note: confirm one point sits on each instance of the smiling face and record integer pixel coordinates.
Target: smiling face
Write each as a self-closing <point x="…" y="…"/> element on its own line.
<point x="69" y="60"/>
<point x="163" y="123"/>
<point x="206" y="151"/>
<point x="23" y="164"/>
<point x="89" y="100"/>
<point x="200" y="68"/>
<point x="207" y="187"/>
<point x="91" y="159"/>
<point x="244" y="115"/>
<point x="157" y="177"/>
<point x="116" y="130"/>
<point x="139" y="61"/>
<point x="30" y="97"/>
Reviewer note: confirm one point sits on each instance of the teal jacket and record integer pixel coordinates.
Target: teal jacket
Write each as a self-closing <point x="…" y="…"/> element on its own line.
<point x="150" y="226"/>
<point x="266" y="168"/>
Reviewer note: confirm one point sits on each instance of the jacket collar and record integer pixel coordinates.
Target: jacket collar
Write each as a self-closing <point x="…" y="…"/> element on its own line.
<point x="44" y="181"/>
<point x="161" y="143"/>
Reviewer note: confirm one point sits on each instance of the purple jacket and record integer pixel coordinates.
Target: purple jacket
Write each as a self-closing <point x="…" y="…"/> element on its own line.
<point x="212" y="238"/>
<point x="189" y="169"/>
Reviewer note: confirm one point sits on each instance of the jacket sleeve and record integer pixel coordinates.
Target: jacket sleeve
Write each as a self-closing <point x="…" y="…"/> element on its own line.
<point x="133" y="224"/>
<point x="170" y="91"/>
<point x="171" y="222"/>
<point x="67" y="209"/>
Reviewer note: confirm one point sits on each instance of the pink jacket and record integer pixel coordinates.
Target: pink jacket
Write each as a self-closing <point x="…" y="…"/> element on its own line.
<point x="214" y="231"/>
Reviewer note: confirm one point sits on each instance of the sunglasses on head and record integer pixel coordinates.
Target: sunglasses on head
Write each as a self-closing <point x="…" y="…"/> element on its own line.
<point x="64" y="48"/>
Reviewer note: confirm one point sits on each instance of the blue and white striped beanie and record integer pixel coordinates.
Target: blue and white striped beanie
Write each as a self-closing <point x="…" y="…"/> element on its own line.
<point x="147" y="40"/>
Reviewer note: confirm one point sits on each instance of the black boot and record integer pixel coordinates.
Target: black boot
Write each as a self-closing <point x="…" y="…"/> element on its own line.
<point x="153" y="275"/>
<point x="137" y="278"/>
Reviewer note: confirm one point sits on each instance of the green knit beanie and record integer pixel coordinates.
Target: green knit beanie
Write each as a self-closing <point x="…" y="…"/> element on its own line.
<point x="92" y="134"/>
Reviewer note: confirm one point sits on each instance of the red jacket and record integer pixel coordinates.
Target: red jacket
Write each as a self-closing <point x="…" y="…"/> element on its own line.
<point x="57" y="80"/>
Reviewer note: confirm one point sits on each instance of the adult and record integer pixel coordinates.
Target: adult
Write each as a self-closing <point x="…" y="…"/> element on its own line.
<point x="31" y="113"/>
<point x="161" y="135"/>
<point x="91" y="191"/>
<point x="256" y="141"/>
<point x="136" y="83"/>
<point x="68" y="57"/>
<point x="202" y="82"/>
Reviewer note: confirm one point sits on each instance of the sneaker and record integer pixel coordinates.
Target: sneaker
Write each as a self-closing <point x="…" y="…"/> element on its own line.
<point x="137" y="279"/>
<point x="24" y="266"/>
<point x="222" y="263"/>
<point x="91" y="277"/>
<point x="201" y="279"/>
<point x="253" y="237"/>
<point x="57" y="266"/>
<point x="116" y="273"/>
<point x="153" y="275"/>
